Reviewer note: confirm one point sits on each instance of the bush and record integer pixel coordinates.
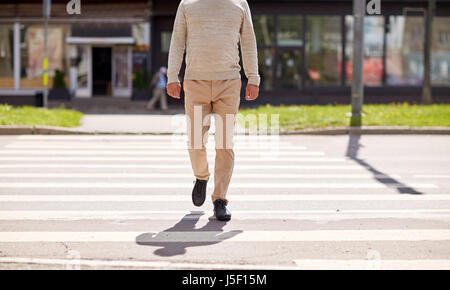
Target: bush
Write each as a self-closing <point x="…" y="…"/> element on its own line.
<point x="58" y="80"/>
<point x="141" y="80"/>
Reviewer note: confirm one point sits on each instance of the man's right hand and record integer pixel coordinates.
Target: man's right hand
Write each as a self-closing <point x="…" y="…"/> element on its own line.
<point x="173" y="90"/>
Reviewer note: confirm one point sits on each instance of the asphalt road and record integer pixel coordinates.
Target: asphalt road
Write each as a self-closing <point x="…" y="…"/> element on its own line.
<point x="298" y="202"/>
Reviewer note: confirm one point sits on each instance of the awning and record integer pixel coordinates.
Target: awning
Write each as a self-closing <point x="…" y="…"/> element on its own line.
<point x="100" y="40"/>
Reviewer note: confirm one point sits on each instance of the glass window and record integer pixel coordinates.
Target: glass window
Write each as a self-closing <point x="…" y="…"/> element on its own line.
<point x="32" y="54"/>
<point x="373" y="50"/>
<point x="290" y="31"/>
<point x="165" y="41"/>
<point x="264" y="29"/>
<point x="289" y="69"/>
<point x="266" y="68"/>
<point x="121" y="67"/>
<point x="82" y="66"/>
<point x="6" y="56"/>
<point x="404" y="50"/>
<point x="440" y="52"/>
<point x="141" y="34"/>
<point x="323" y="50"/>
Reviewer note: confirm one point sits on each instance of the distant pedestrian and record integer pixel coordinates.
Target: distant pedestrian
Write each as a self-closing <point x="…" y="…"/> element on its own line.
<point x="159" y="82"/>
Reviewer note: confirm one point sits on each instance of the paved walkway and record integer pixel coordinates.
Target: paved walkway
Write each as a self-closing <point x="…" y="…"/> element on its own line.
<point x="141" y="123"/>
<point x="137" y="123"/>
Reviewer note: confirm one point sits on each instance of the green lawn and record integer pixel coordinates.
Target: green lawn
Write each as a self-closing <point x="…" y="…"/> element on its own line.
<point x="27" y="115"/>
<point x="297" y="117"/>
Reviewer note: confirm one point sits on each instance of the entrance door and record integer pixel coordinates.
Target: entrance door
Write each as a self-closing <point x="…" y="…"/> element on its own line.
<point x="83" y="73"/>
<point x="121" y="78"/>
<point x="101" y="71"/>
<point x="289" y="68"/>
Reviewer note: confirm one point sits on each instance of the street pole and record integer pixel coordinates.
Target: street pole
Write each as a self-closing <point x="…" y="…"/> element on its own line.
<point x="46" y="12"/>
<point x="359" y="10"/>
<point x="426" y="90"/>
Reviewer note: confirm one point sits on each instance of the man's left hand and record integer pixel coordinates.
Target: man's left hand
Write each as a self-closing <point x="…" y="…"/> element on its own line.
<point x="251" y="92"/>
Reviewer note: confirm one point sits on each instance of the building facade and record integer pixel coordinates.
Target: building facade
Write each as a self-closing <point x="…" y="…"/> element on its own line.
<point x="97" y="52"/>
<point x="304" y="49"/>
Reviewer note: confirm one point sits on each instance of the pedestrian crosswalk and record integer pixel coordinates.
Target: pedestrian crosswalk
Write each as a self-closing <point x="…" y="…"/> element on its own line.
<point x="114" y="198"/>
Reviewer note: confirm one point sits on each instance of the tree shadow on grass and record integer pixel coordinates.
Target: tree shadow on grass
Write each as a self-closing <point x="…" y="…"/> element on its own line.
<point x="352" y="152"/>
<point x="175" y="240"/>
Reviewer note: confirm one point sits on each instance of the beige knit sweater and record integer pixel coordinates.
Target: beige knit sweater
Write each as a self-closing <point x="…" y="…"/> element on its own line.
<point x="211" y="30"/>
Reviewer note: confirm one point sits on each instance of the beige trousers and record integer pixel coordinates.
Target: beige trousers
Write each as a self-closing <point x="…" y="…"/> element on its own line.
<point x="158" y="93"/>
<point x="203" y="98"/>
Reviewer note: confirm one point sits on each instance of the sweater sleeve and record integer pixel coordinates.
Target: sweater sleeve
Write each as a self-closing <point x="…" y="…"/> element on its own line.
<point x="248" y="47"/>
<point x="177" y="45"/>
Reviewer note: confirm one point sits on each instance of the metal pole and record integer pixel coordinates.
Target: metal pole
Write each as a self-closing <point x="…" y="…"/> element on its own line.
<point x="45" y="64"/>
<point x="46" y="12"/>
<point x="426" y="90"/>
<point x="359" y="9"/>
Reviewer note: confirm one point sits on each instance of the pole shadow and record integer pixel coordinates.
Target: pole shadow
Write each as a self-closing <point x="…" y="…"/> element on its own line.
<point x="171" y="241"/>
<point x="352" y="152"/>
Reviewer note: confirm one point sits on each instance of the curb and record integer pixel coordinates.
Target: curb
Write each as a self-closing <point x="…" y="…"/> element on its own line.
<point x="373" y="130"/>
<point x="365" y="130"/>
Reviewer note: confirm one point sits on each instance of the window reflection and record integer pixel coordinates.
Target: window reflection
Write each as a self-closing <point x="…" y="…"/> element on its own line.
<point x="440" y="52"/>
<point x="288" y="69"/>
<point x="404" y="50"/>
<point x="264" y="29"/>
<point x="323" y="50"/>
<point x="266" y="65"/>
<point x="6" y="59"/>
<point x="121" y="63"/>
<point x="32" y="53"/>
<point x="290" y="31"/>
<point x="82" y="66"/>
<point x="373" y="50"/>
<point x="165" y="41"/>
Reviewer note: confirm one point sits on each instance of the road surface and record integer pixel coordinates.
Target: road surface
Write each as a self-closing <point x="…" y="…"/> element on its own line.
<point x="298" y="202"/>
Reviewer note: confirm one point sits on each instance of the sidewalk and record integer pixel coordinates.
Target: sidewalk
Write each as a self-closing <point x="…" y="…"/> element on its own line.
<point x="176" y="124"/>
<point x="133" y="124"/>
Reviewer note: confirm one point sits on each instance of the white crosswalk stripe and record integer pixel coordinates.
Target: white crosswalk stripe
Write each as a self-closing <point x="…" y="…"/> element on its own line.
<point x="156" y="158"/>
<point x="185" y="185"/>
<point x="150" y="152"/>
<point x="253" y="197"/>
<point x="103" y="172"/>
<point x="175" y="166"/>
<point x="232" y="236"/>
<point x="189" y="175"/>
<point x="258" y="215"/>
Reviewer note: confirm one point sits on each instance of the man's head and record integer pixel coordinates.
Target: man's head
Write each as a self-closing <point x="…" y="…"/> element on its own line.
<point x="163" y="69"/>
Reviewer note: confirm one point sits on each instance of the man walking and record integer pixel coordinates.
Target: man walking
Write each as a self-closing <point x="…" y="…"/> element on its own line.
<point x="158" y="84"/>
<point x="210" y="30"/>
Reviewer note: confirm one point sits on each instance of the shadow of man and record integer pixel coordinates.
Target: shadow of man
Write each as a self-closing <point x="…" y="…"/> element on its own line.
<point x="352" y="152"/>
<point x="175" y="240"/>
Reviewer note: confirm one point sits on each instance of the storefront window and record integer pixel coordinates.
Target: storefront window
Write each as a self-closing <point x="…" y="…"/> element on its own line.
<point x="141" y="34"/>
<point x="165" y="41"/>
<point x="440" y="52"/>
<point x="404" y="50"/>
<point x="121" y="67"/>
<point x="266" y="65"/>
<point x="373" y="50"/>
<point x="264" y="29"/>
<point x="290" y="31"/>
<point x="6" y="57"/>
<point x="323" y="50"/>
<point x="32" y="54"/>
<point x="289" y="69"/>
<point x="82" y="66"/>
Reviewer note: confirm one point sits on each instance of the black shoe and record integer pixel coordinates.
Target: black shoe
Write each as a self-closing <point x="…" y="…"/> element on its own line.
<point x="199" y="192"/>
<point x="220" y="210"/>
